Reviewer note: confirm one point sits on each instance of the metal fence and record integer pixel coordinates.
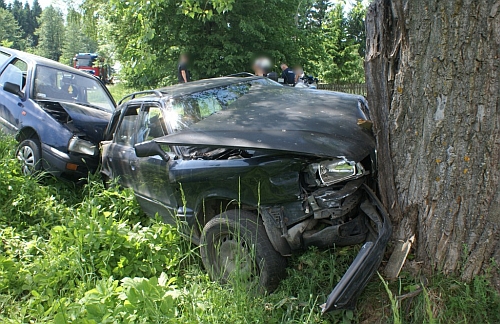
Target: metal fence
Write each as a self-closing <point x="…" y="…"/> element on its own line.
<point x="349" y="88"/>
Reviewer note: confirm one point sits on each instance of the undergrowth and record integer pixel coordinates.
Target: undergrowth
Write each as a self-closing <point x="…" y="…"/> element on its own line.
<point x="85" y="254"/>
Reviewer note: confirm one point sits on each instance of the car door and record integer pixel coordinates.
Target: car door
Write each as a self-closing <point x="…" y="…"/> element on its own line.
<point x="151" y="182"/>
<point x="120" y="151"/>
<point x="11" y="105"/>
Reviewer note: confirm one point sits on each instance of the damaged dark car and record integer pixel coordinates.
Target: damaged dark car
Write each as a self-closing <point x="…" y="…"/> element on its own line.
<point x="252" y="172"/>
<point x="57" y="114"/>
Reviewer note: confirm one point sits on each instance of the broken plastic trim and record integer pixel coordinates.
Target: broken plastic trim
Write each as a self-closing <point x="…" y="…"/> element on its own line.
<point x="364" y="266"/>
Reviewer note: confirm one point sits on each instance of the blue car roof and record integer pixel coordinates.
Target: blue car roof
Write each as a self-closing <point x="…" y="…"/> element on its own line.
<point x="38" y="60"/>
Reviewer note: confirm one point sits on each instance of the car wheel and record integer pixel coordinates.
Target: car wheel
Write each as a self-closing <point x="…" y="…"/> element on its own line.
<point x="28" y="153"/>
<point x="235" y="249"/>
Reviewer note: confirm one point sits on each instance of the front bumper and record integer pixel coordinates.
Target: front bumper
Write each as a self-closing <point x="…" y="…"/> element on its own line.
<point x="366" y="263"/>
<point x="59" y="163"/>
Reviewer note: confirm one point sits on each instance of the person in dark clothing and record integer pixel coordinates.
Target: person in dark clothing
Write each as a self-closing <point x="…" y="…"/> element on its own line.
<point x="288" y="75"/>
<point x="183" y="74"/>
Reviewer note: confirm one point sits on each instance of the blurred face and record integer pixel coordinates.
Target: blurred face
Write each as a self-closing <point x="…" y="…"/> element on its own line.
<point x="284" y="67"/>
<point x="184" y="58"/>
<point x="257" y="70"/>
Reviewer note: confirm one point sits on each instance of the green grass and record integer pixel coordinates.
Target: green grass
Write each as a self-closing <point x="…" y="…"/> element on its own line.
<point x="119" y="90"/>
<point x="86" y="254"/>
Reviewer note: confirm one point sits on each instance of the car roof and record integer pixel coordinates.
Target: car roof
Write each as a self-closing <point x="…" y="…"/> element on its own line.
<point x="205" y="84"/>
<point x="38" y="60"/>
<point x="188" y="88"/>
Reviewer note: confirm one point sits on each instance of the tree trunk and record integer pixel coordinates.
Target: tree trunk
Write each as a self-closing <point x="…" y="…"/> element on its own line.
<point x="432" y="72"/>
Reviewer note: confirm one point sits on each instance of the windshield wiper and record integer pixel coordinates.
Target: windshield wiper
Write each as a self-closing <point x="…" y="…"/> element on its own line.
<point x="86" y="104"/>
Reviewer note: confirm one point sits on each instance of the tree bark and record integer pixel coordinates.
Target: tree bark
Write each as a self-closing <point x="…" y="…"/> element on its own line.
<point x="432" y="72"/>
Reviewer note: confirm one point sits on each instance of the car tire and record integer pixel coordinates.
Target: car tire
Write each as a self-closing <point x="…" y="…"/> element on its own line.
<point x="235" y="246"/>
<point x="28" y="153"/>
<point x="105" y="180"/>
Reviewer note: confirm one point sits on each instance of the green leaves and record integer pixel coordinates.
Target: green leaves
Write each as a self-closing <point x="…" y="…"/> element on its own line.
<point x="50" y="33"/>
<point x="58" y="242"/>
<point x="10" y="33"/>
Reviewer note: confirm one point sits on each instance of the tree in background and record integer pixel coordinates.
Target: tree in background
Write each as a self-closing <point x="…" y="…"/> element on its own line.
<point x="355" y="26"/>
<point x="310" y="19"/>
<point x="224" y="36"/>
<point x="50" y="33"/>
<point x="150" y="35"/>
<point x="27" y="20"/>
<point x="27" y="24"/>
<point x="343" y="63"/>
<point x="16" y="9"/>
<point x="75" y="38"/>
<point x="36" y="13"/>
<point x="10" y="33"/>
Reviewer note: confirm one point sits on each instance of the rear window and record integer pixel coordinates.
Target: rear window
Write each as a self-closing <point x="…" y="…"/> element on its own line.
<point x="3" y="58"/>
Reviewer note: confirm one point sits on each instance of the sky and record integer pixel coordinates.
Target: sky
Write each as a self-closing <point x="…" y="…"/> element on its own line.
<point x="46" y="3"/>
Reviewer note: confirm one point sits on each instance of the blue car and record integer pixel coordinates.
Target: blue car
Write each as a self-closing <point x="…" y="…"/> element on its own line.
<point x="57" y="114"/>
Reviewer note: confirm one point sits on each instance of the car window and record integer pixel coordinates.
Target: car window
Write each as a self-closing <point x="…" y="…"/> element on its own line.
<point x="152" y="123"/>
<point x="3" y="58"/>
<point x="16" y="73"/>
<point x="127" y="128"/>
<point x="59" y="85"/>
<point x="190" y="109"/>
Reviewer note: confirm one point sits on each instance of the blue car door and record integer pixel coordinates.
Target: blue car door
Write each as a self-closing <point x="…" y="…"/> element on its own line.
<point x="12" y="105"/>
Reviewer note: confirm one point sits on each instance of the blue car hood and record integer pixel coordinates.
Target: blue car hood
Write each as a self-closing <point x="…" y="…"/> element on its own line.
<point x="90" y="121"/>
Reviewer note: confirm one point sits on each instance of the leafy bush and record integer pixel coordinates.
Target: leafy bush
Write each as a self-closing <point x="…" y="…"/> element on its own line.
<point x="86" y="254"/>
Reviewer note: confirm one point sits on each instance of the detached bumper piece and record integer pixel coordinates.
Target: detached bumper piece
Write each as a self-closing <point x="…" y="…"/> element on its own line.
<point x="364" y="266"/>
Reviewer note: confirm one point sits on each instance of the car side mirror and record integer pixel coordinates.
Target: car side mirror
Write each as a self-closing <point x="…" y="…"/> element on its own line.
<point x="13" y="88"/>
<point x="150" y="148"/>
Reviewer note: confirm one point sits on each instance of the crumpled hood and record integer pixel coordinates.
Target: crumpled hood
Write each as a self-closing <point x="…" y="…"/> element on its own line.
<point x="91" y="121"/>
<point x="309" y="122"/>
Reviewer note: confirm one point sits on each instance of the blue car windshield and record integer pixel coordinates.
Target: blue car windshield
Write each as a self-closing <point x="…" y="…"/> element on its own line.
<point x="58" y="85"/>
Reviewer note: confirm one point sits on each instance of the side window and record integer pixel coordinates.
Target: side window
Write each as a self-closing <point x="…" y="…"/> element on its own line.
<point x="16" y="73"/>
<point x="152" y="123"/>
<point x="3" y="58"/>
<point x="127" y="128"/>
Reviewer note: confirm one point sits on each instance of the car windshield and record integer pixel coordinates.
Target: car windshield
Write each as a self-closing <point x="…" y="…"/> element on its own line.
<point x="190" y="109"/>
<point x="84" y="61"/>
<point x="58" y="85"/>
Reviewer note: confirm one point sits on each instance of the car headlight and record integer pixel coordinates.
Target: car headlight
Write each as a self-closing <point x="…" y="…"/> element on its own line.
<point x="334" y="171"/>
<point x="78" y="145"/>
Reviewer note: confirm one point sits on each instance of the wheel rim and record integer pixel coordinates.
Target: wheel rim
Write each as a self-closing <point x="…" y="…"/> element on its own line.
<point x="235" y="259"/>
<point x="26" y="156"/>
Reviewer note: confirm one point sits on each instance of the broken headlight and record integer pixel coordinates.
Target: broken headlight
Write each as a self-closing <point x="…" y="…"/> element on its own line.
<point x="334" y="171"/>
<point x="79" y="145"/>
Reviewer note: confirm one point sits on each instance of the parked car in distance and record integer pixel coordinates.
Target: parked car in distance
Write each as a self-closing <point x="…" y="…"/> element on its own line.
<point x="252" y="172"/>
<point x="57" y="114"/>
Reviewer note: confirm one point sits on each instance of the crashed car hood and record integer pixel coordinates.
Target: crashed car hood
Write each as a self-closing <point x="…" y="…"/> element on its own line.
<point x="90" y="121"/>
<point x="317" y="123"/>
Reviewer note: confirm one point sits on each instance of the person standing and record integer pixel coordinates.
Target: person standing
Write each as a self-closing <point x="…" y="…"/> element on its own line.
<point x="299" y="74"/>
<point x="183" y="74"/>
<point x="262" y="66"/>
<point x="287" y="74"/>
